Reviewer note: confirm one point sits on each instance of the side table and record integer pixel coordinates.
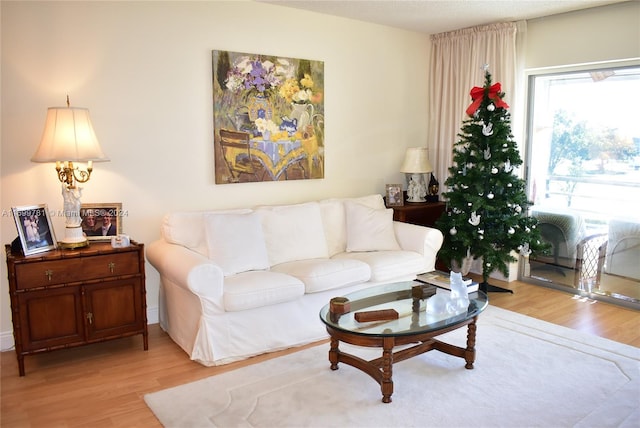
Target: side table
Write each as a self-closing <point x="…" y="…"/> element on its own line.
<point x="67" y="298"/>
<point x="420" y="213"/>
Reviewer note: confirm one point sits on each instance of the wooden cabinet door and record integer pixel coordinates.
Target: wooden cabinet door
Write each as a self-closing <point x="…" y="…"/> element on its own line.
<point x="113" y="308"/>
<point x="51" y="318"/>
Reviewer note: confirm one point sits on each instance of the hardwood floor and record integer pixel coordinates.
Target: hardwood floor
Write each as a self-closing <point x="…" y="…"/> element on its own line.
<point x="102" y="385"/>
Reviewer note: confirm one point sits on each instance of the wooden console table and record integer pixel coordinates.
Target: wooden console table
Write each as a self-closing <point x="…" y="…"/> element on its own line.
<point x="67" y="298"/>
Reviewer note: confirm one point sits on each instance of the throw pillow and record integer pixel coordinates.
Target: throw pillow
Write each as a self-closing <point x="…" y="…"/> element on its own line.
<point x="293" y="232"/>
<point x="236" y="242"/>
<point x="335" y="223"/>
<point x="369" y="229"/>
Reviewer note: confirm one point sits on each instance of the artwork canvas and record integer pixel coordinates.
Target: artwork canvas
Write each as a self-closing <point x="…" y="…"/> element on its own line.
<point x="268" y="118"/>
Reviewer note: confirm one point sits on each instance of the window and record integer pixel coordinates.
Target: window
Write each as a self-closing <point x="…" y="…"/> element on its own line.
<point x="583" y="158"/>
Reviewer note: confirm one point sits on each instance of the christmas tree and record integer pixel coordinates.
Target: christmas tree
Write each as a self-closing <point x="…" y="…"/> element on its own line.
<point x="487" y="204"/>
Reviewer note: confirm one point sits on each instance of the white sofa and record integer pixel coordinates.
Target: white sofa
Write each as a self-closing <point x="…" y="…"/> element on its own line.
<point x="244" y="282"/>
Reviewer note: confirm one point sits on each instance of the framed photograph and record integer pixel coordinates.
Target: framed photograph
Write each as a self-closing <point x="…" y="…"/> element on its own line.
<point x="34" y="229"/>
<point x="395" y="197"/>
<point x="101" y="221"/>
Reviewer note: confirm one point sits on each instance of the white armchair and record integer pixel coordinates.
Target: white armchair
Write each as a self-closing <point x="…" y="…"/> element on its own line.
<point x="563" y="231"/>
<point x="623" y="251"/>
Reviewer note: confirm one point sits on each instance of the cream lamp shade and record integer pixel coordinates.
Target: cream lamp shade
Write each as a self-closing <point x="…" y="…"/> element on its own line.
<point x="68" y="136"/>
<point x="416" y="162"/>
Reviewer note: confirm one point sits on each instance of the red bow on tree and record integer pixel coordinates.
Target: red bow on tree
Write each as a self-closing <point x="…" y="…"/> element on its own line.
<point x="477" y="94"/>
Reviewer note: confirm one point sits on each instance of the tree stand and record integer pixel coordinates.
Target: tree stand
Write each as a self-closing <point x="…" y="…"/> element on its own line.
<point x="485" y="287"/>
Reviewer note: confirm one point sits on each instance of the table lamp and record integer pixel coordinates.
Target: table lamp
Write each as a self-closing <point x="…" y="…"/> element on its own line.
<point x="69" y="137"/>
<point x="416" y="162"/>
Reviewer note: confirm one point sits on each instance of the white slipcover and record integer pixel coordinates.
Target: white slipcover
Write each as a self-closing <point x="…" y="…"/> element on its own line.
<point x="217" y="319"/>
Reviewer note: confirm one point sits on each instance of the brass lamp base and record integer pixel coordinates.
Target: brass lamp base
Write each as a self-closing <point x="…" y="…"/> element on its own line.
<point x="72" y="245"/>
<point x="74" y="238"/>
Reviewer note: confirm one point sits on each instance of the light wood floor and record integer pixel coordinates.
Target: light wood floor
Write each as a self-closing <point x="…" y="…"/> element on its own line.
<point x="102" y="385"/>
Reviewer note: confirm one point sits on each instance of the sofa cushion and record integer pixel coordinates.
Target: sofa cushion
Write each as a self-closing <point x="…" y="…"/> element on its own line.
<point x="335" y="223"/>
<point x="326" y="274"/>
<point x="186" y="228"/>
<point x="388" y="265"/>
<point x="236" y="242"/>
<point x="369" y="229"/>
<point x="293" y="232"/>
<point x="254" y="289"/>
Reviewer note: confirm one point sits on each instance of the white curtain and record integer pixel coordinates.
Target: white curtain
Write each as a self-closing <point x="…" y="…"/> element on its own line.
<point x="457" y="61"/>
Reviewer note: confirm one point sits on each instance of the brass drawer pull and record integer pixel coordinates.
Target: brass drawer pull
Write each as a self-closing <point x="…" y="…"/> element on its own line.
<point x="112" y="267"/>
<point x="48" y="273"/>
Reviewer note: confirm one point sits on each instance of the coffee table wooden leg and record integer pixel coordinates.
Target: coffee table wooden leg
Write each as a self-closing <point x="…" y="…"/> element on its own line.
<point x="333" y="353"/>
<point x="470" y="352"/>
<point x="387" y="369"/>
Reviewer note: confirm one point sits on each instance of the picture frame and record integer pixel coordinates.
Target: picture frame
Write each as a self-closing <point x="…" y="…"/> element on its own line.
<point x="268" y="117"/>
<point x="394" y="195"/>
<point x="101" y="221"/>
<point x="34" y="229"/>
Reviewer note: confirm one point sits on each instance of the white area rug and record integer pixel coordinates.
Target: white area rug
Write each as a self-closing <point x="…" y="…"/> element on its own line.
<point x="528" y="373"/>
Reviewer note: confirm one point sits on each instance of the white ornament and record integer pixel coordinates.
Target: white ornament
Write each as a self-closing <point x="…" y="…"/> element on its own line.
<point x="490" y="196"/>
<point x="487" y="129"/>
<point x="481" y="231"/>
<point x="509" y="185"/>
<point x="518" y="208"/>
<point x="491" y="107"/>
<point x="494" y="170"/>
<point x="474" y="220"/>
<point x="453" y="231"/>
<point x="469" y="204"/>
<point x="511" y="231"/>
<point x="526" y="229"/>
<point x="507" y="166"/>
<point x="487" y="153"/>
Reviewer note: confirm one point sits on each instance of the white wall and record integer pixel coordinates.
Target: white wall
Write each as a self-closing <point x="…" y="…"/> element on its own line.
<point x="608" y="33"/>
<point x="144" y="71"/>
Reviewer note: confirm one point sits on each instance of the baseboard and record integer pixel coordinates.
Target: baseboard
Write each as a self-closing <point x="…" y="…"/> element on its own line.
<point x="7" y="343"/>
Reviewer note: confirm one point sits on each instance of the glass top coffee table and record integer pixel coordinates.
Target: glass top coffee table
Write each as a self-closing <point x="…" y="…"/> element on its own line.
<point x="392" y="315"/>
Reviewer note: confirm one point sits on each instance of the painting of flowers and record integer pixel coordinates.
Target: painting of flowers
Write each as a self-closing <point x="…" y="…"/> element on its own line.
<point x="268" y="117"/>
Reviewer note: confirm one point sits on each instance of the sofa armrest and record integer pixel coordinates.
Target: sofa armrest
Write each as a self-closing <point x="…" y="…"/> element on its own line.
<point x="421" y="239"/>
<point x="189" y="270"/>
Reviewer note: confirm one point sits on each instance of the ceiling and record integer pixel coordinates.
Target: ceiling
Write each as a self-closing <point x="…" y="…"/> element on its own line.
<point x="437" y="16"/>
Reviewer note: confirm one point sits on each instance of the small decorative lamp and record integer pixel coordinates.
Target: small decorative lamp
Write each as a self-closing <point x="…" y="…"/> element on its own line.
<point x="416" y="162"/>
<point x="68" y="137"/>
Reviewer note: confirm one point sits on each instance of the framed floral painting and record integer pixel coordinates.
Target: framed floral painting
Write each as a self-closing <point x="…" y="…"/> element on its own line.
<point x="268" y="118"/>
